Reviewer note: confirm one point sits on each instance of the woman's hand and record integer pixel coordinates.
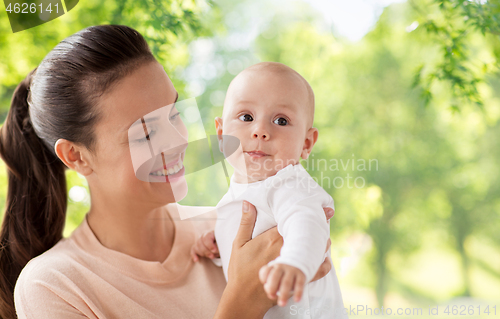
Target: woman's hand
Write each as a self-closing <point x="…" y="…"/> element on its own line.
<point x="244" y="296"/>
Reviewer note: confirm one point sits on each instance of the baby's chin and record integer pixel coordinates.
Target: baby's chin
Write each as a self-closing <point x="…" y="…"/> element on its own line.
<point x="249" y="175"/>
<point x="260" y="174"/>
<point x="256" y="177"/>
<point x="252" y="171"/>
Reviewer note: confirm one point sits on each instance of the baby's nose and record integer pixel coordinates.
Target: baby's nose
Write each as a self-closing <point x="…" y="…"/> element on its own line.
<point x="260" y="130"/>
<point x="263" y="135"/>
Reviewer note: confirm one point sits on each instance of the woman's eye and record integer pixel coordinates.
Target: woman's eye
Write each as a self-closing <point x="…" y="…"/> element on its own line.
<point x="246" y="117"/>
<point x="175" y="116"/>
<point x="144" y="139"/>
<point x="281" y="121"/>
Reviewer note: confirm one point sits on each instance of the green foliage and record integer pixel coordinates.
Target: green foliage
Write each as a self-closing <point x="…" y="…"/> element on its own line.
<point x="453" y="24"/>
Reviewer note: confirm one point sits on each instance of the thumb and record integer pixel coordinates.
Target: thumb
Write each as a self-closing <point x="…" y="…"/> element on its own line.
<point x="246" y="225"/>
<point x="329" y="212"/>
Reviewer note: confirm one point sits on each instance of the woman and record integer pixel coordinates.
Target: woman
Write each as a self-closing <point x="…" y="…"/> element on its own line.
<point x="130" y="257"/>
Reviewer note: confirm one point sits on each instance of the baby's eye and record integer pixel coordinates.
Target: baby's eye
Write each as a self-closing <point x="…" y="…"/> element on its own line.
<point x="281" y="121"/>
<point x="245" y="117"/>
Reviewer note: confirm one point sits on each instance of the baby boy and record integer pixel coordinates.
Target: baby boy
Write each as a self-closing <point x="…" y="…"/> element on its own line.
<point x="270" y="109"/>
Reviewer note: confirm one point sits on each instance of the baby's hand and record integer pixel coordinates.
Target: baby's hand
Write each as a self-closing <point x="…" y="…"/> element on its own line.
<point x="286" y="279"/>
<point x="205" y="246"/>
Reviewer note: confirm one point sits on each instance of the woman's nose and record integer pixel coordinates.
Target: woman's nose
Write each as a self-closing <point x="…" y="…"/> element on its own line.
<point x="169" y="138"/>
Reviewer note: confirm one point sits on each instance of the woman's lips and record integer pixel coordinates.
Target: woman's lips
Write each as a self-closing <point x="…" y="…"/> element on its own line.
<point x="168" y="178"/>
<point x="167" y="166"/>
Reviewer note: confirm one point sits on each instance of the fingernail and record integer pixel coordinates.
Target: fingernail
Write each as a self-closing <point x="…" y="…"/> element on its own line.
<point x="245" y="206"/>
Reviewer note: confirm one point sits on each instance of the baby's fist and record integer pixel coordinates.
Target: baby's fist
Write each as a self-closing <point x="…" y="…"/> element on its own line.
<point x="205" y="246"/>
<point x="282" y="281"/>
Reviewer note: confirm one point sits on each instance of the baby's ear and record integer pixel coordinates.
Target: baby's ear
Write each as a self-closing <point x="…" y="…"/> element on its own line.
<point x="310" y="140"/>
<point x="218" y="129"/>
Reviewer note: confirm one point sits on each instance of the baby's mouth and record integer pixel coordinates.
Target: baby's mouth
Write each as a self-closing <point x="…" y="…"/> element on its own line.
<point x="257" y="154"/>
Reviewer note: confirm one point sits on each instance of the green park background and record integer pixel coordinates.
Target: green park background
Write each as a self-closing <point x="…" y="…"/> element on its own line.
<point x="418" y="98"/>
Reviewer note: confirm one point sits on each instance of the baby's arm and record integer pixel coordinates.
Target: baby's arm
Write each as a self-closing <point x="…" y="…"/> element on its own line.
<point x="300" y="218"/>
<point x="205" y="246"/>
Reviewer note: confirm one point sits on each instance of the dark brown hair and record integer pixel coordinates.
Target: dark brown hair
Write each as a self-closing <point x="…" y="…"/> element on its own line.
<point x="58" y="99"/>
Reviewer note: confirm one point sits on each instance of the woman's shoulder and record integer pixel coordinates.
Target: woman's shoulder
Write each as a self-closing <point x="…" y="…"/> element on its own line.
<point x="44" y="281"/>
<point x="57" y="260"/>
<point x="59" y="266"/>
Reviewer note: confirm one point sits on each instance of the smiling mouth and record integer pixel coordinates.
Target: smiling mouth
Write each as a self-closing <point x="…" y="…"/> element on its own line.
<point x="169" y="169"/>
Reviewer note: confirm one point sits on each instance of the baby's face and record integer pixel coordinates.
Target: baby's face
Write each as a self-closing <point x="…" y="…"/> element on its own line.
<point x="271" y="116"/>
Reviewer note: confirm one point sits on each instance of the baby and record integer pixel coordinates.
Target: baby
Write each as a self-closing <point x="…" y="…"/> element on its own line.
<point x="270" y="108"/>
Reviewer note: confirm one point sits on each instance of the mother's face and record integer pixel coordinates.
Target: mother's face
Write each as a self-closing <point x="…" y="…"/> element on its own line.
<point x="130" y="101"/>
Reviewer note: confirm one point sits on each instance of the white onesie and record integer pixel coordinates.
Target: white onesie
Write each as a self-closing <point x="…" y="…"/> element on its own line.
<point x="294" y="202"/>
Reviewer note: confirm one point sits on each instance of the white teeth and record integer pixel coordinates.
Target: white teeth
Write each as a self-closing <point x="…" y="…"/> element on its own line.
<point x="170" y="171"/>
<point x="176" y="168"/>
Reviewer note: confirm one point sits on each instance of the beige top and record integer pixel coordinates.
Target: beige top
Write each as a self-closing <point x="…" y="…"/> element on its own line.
<point x="80" y="278"/>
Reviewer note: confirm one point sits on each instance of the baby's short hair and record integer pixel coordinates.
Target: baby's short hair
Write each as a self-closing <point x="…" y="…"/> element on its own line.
<point x="280" y="68"/>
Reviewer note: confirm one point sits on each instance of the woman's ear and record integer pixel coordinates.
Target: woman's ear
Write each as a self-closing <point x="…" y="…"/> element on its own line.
<point x="74" y="156"/>
<point x="218" y="129"/>
<point x="311" y="138"/>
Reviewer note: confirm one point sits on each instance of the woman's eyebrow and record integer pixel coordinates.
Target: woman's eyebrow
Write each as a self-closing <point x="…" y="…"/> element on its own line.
<point x="152" y="119"/>
<point x="147" y="120"/>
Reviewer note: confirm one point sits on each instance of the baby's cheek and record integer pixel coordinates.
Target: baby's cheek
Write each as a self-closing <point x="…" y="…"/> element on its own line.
<point x="236" y="160"/>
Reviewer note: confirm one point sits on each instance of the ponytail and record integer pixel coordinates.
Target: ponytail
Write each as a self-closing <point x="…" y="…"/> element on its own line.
<point x="60" y="102"/>
<point x="36" y="203"/>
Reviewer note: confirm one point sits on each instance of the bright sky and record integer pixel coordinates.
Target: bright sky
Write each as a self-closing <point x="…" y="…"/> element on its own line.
<point x="351" y="18"/>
